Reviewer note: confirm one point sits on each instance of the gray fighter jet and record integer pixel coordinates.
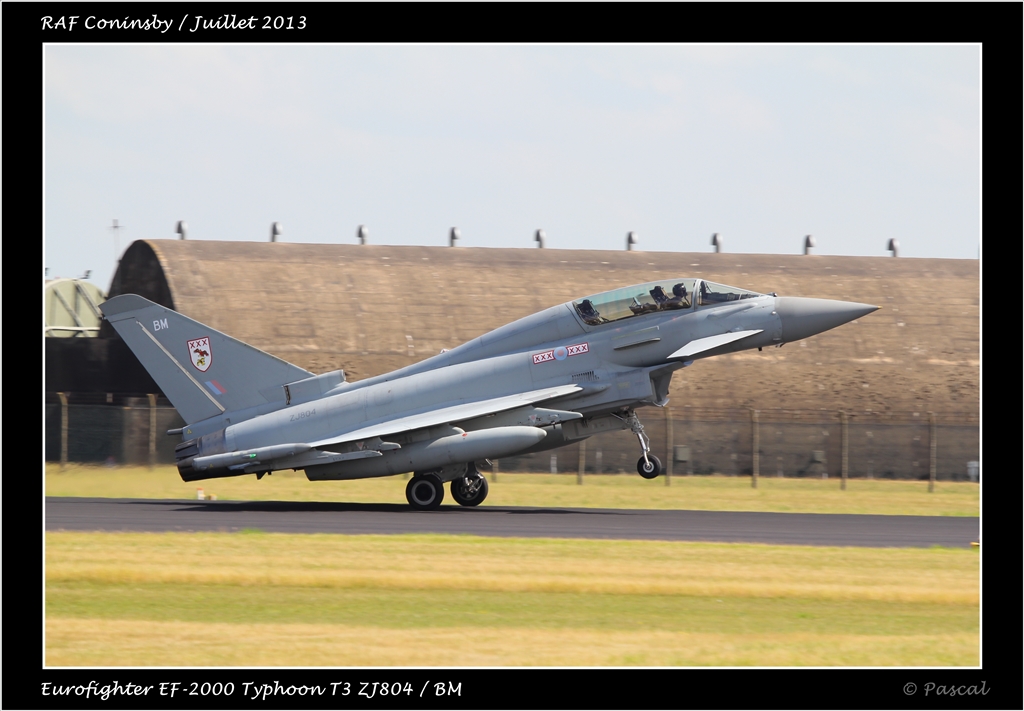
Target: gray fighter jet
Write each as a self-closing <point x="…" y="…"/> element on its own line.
<point x="558" y="376"/>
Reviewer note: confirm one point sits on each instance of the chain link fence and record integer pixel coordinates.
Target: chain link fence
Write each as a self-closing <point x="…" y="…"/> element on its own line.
<point x="790" y="443"/>
<point x="688" y="441"/>
<point x="132" y="431"/>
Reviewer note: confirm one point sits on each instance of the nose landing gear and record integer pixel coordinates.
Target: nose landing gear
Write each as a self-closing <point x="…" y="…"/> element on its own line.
<point x="648" y="466"/>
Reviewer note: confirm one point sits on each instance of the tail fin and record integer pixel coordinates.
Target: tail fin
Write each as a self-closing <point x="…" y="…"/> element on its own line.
<point x="201" y="371"/>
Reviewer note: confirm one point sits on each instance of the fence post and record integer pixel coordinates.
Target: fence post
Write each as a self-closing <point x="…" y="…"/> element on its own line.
<point x="931" y="447"/>
<point x="846" y="449"/>
<point x="63" y="430"/>
<point x="756" y="431"/>
<point x="152" y="429"/>
<point x="670" y="454"/>
<point x="582" y="461"/>
<point x="871" y="449"/>
<point x="688" y="426"/>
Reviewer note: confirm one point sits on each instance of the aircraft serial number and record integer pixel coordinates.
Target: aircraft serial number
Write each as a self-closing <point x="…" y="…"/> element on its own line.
<point x="379" y="688"/>
<point x="302" y="415"/>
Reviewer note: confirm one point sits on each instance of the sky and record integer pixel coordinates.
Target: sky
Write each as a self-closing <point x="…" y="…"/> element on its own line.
<point x="853" y="144"/>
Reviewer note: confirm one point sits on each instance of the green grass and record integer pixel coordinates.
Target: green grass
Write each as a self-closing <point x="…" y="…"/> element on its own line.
<point x="266" y="598"/>
<point x="717" y="493"/>
<point x="411" y="609"/>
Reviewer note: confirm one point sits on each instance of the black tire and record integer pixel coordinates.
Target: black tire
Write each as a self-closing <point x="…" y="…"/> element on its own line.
<point x="651" y="470"/>
<point x="469" y="498"/>
<point x="424" y="492"/>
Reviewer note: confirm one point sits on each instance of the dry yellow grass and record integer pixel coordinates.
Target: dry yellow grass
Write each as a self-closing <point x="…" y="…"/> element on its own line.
<point x="509" y="565"/>
<point x="254" y="598"/>
<point x="709" y="493"/>
<point x="72" y="642"/>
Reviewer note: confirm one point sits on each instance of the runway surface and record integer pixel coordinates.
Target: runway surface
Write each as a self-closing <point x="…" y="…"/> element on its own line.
<point x="81" y="514"/>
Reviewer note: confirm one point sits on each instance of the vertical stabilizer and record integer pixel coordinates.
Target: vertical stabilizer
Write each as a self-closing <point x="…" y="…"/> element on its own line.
<point x="203" y="372"/>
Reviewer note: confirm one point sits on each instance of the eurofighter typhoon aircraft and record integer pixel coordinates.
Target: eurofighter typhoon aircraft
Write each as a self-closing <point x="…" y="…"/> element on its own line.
<point x="558" y="376"/>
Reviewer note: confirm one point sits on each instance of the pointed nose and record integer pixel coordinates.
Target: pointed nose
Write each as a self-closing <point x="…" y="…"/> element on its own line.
<point x="802" y="317"/>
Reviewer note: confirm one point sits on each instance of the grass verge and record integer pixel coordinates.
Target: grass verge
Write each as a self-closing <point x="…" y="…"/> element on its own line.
<point x="196" y="599"/>
<point x="709" y="493"/>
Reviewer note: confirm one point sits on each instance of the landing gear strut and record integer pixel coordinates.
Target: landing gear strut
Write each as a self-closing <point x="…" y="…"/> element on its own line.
<point x="648" y="466"/>
<point x="470" y="490"/>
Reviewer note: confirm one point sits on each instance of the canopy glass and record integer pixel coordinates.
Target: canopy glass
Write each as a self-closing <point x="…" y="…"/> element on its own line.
<point x="655" y="296"/>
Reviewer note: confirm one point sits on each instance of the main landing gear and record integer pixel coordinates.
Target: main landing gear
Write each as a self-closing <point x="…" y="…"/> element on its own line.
<point x="648" y="466"/>
<point x="425" y="491"/>
<point x="471" y="489"/>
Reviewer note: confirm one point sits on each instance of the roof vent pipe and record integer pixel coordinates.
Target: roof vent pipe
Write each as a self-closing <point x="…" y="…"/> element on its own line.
<point x="808" y="244"/>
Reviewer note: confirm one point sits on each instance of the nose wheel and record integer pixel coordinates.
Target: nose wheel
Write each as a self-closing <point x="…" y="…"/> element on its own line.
<point x="648" y="466"/>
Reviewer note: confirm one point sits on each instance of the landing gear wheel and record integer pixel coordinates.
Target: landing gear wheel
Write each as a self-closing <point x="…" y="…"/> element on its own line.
<point x="648" y="465"/>
<point x="424" y="492"/>
<point x="469" y="490"/>
<point x="649" y="468"/>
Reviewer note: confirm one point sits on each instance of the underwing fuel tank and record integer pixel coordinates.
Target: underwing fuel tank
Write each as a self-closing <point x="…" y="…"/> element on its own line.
<point x="249" y="457"/>
<point x="204" y="458"/>
<point x="436" y="453"/>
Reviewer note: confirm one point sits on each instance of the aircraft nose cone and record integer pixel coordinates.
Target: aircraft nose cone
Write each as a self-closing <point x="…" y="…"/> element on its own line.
<point x="803" y="317"/>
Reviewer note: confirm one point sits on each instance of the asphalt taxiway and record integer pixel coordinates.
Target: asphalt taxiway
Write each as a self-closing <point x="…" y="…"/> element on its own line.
<point x="100" y="514"/>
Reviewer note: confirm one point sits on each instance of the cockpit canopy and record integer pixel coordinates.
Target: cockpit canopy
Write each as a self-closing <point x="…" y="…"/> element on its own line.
<point x="655" y="296"/>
